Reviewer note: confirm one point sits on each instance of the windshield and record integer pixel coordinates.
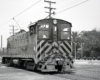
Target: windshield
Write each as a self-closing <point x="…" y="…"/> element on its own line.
<point x="43" y="31"/>
<point x="65" y="31"/>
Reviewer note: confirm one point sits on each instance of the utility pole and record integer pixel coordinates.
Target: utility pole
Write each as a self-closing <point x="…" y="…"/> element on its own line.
<point x="13" y="29"/>
<point x="74" y="45"/>
<point x="81" y="50"/>
<point x="50" y="8"/>
<point x="1" y="45"/>
<point x="75" y="50"/>
<point x="1" y="42"/>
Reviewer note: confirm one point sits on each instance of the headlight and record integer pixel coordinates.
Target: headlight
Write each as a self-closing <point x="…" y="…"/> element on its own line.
<point x="54" y="21"/>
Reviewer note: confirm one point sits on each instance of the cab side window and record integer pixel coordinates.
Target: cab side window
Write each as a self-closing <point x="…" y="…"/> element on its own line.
<point x="32" y="30"/>
<point x="43" y="31"/>
<point x="65" y="31"/>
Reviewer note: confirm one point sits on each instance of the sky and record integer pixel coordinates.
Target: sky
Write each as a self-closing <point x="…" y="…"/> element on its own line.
<point x="85" y="16"/>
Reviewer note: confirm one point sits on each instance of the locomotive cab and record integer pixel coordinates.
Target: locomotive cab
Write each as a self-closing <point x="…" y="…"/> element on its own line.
<point x="54" y="29"/>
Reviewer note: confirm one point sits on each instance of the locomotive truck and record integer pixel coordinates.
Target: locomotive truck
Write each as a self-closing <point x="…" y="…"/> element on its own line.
<point x="45" y="47"/>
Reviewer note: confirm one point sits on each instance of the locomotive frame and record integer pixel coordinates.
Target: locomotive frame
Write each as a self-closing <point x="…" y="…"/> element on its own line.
<point x="45" y="47"/>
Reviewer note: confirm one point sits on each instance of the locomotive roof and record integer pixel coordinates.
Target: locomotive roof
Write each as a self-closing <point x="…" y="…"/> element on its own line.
<point x="54" y="19"/>
<point x="47" y="20"/>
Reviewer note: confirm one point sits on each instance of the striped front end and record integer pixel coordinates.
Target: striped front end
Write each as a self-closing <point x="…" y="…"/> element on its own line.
<point x="53" y="53"/>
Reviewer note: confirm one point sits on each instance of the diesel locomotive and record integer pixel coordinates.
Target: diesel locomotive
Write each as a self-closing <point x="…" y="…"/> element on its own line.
<point x="45" y="47"/>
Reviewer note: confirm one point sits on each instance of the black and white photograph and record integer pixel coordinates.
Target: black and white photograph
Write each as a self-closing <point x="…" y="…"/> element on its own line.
<point x="49" y="39"/>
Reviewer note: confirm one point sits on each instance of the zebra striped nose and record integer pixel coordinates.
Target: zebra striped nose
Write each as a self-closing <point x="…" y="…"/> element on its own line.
<point x="55" y="44"/>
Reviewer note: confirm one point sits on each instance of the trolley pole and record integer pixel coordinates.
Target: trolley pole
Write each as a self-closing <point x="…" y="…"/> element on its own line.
<point x="50" y="8"/>
<point x="17" y="23"/>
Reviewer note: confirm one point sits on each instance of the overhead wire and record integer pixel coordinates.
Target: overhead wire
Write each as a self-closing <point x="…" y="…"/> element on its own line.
<point x="6" y="22"/>
<point x="68" y="8"/>
<point x="20" y="13"/>
<point x="65" y="2"/>
<point x="72" y="7"/>
<point x="28" y="8"/>
<point x="47" y="16"/>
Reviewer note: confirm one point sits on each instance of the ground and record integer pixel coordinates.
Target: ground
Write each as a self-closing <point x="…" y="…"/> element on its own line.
<point x="85" y="70"/>
<point x="14" y="73"/>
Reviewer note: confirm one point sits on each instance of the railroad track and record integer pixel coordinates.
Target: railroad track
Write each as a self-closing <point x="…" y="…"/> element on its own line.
<point x="81" y="75"/>
<point x="96" y="69"/>
<point x="84" y="73"/>
<point x="77" y="77"/>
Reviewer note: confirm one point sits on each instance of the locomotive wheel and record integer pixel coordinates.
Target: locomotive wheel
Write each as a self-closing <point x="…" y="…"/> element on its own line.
<point x="3" y="61"/>
<point x="9" y="62"/>
<point x="26" y="65"/>
<point x="30" y="65"/>
<point x="34" y="67"/>
<point x="20" y="63"/>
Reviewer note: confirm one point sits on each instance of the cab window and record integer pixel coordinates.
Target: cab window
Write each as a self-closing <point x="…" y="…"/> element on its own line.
<point x="65" y="31"/>
<point x="43" y="31"/>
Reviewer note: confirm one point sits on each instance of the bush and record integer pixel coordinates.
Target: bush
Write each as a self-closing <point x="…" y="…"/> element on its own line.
<point x="93" y="58"/>
<point x="84" y="58"/>
<point x="90" y="58"/>
<point x="98" y="58"/>
<point x="77" y="57"/>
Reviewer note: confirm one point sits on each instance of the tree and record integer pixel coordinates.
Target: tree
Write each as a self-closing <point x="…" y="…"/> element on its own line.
<point x="91" y="42"/>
